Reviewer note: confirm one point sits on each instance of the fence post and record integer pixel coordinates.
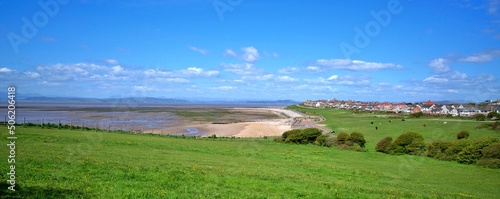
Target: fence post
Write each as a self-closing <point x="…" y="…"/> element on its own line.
<point x="59" y="125"/>
<point x="24" y="122"/>
<point x="42" y="124"/>
<point x="70" y="125"/>
<point x="96" y="124"/>
<point x="109" y="127"/>
<point x="121" y="128"/>
<point x="83" y="125"/>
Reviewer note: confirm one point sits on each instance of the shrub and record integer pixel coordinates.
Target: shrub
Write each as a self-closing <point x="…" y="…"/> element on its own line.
<point x="454" y="148"/>
<point x="288" y="133"/>
<point x="325" y="140"/>
<point x="437" y="149"/>
<point x="357" y="138"/>
<point x="463" y="135"/>
<point x="473" y="152"/>
<point x="480" y="117"/>
<point x="383" y="145"/>
<point x="491" y="156"/>
<point x="341" y="138"/>
<point x="302" y="136"/>
<point x="492" y="115"/>
<point x="416" y="115"/>
<point x="492" y="151"/>
<point x="489" y="162"/>
<point x="410" y="143"/>
<point x="320" y="140"/>
<point x="279" y="139"/>
<point x="496" y="126"/>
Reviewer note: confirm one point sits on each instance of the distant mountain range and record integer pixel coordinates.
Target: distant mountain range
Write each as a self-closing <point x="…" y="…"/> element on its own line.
<point x="113" y="100"/>
<point x="154" y="100"/>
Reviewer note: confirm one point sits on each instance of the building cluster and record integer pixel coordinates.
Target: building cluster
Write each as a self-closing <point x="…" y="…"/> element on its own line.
<point x="429" y="107"/>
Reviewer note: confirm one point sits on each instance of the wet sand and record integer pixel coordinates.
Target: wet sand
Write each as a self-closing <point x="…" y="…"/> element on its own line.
<point x="223" y="122"/>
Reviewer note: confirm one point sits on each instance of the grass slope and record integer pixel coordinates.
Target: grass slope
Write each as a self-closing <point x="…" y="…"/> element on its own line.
<point x="55" y="163"/>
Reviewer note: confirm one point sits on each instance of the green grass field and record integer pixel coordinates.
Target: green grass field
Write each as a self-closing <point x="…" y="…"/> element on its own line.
<point x="435" y="129"/>
<point x="53" y="163"/>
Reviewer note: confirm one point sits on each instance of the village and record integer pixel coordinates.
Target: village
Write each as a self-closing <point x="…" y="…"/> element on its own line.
<point x="428" y="108"/>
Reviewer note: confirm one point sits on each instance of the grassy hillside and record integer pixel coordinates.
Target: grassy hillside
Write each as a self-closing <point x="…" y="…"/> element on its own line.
<point x="86" y="164"/>
<point x="434" y="129"/>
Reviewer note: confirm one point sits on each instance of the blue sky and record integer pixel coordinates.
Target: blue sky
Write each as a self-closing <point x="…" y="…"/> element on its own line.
<point x="252" y="49"/>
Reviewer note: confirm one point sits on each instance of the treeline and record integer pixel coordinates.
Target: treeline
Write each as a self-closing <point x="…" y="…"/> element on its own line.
<point x="484" y="151"/>
<point x="354" y="141"/>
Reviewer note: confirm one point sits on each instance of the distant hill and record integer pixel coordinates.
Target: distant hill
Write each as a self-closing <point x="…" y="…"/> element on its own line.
<point x="113" y="100"/>
<point x="274" y="102"/>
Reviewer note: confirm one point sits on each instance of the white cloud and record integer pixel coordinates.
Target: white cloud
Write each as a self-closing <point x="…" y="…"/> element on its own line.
<point x="289" y="70"/>
<point x="434" y="79"/>
<point x="273" y="54"/>
<point x="439" y="65"/>
<point x="452" y="91"/>
<point x="481" y="57"/>
<point x="355" y="65"/>
<point x="458" y="75"/>
<point x="5" y="70"/>
<point x="231" y="53"/>
<point x="111" y="61"/>
<point x="286" y="79"/>
<point x="198" y="50"/>
<point x="194" y="71"/>
<point x="493" y="6"/>
<point x="346" y="80"/>
<point x="224" y="88"/>
<point x="117" y="69"/>
<point x="313" y="68"/>
<point x="32" y="74"/>
<point x="250" y="54"/>
<point x="333" y="77"/>
<point x="259" y="77"/>
<point x="141" y="88"/>
<point x="241" y="69"/>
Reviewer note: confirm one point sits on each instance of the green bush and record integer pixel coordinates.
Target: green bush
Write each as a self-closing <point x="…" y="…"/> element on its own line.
<point x="480" y="117"/>
<point x="342" y="138"/>
<point x="489" y="162"/>
<point x="454" y="148"/>
<point x="301" y="136"/>
<point x="437" y="149"/>
<point x="410" y="143"/>
<point x="491" y="156"/>
<point x="473" y="152"/>
<point x="463" y="135"/>
<point x="288" y="133"/>
<point x="416" y="115"/>
<point x="325" y="140"/>
<point x="357" y="138"/>
<point x="383" y="145"/>
<point x="492" y="115"/>
<point x="495" y="126"/>
<point x="492" y="151"/>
